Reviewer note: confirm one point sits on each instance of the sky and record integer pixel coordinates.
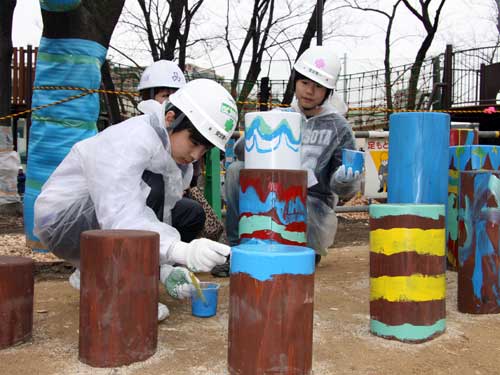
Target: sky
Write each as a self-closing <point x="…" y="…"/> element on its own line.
<point x="464" y="23"/>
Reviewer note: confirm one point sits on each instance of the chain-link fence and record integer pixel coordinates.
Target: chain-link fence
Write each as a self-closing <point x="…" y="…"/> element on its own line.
<point x="365" y="93"/>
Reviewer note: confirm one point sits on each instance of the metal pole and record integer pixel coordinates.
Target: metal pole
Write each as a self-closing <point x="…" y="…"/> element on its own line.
<point x="319" y="22"/>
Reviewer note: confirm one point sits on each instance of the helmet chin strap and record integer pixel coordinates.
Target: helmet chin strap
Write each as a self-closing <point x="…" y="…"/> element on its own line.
<point x="177" y="121"/>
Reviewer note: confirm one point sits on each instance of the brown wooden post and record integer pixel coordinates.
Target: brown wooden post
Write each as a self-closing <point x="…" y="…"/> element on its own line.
<point x="16" y="300"/>
<point x="118" y="296"/>
<point x="446" y="98"/>
<point x="271" y="309"/>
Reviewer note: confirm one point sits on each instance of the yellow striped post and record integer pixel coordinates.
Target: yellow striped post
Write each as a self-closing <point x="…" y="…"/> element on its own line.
<point x="407" y="271"/>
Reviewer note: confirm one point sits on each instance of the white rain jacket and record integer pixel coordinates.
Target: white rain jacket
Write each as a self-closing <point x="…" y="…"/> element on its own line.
<point x="99" y="186"/>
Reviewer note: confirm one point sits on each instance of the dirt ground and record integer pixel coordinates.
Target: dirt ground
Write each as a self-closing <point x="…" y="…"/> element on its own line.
<point x="189" y="345"/>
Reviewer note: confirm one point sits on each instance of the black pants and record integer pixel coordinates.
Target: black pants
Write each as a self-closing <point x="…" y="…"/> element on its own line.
<point x="188" y="216"/>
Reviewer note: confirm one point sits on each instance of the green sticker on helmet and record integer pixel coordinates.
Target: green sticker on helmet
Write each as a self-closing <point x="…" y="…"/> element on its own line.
<point x="228" y="126"/>
<point x="227" y="109"/>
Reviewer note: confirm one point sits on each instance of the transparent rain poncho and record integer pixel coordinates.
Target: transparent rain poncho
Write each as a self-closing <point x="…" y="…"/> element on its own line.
<point x="99" y="186"/>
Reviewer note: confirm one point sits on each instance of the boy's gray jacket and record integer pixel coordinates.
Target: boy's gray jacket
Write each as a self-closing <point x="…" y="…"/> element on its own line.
<point x="108" y="168"/>
<point x="323" y="138"/>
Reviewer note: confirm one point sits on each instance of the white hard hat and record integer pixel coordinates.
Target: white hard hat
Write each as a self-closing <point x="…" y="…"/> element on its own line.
<point x="210" y="108"/>
<point x="320" y="64"/>
<point x="162" y="73"/>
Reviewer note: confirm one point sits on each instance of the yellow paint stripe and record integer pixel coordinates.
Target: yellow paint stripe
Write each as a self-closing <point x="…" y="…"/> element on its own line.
<point x="414" y="288"/>
<point x="399" y="240"/>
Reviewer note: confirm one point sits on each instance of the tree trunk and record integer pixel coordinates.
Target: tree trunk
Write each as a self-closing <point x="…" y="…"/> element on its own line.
<point x="176" y="10"/>
<point x="93" y="20"/>
<point x="6" y="57"/>
<point x="111" y="99"/>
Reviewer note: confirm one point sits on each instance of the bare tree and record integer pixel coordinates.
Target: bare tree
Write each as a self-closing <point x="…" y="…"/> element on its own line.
<point x="431" y="25"/>
<point x="269" y="29"/>
<point x="257" y="35"/>
<point x="6" y="14"/>
<point x="387" y="42"/>
<point x="164" y="26"/>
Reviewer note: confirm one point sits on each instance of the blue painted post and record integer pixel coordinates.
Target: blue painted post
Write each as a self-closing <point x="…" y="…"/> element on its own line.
<point x="54" y="130"/>
<point x="418" y="158"/>
<point x="478" y="244"/>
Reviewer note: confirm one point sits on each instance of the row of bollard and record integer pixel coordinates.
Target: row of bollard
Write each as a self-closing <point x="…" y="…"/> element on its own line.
<point x="272" y="272"/>
<point x="442" y="207"/>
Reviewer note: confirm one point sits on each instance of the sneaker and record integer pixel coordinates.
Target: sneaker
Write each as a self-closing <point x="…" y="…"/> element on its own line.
<point x="163" y="312"/>
<point x="74" y="279"/>
<point x="222" y="270"/>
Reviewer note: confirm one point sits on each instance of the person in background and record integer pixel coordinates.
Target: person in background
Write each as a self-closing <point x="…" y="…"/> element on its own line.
<point x="99" y="184"/>
<point x="325" y="132"/>
<point x="160" y="80"/>
<point x="21" y="181"/>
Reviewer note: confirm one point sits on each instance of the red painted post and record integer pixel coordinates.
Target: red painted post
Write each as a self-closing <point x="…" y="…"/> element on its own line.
<point x="16" y="300"/>
<point x="118" y="296"/>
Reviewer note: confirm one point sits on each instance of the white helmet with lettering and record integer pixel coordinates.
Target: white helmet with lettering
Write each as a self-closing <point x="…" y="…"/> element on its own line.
<point x="162" y="73"/>
<point x="320" y="64"/>
<point x="210" y="108"/>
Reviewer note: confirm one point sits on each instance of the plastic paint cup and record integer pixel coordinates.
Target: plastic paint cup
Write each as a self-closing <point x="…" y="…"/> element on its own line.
<point x="211" y="293"/>
<point x="353" y="159"/>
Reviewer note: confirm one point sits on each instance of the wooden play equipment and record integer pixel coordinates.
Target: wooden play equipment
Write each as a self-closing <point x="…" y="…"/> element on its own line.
<point x="272" y="272"/>
<point x="407" y="271"/>
<point x="478" y="251"/>
<point x="273" y="206"/>
<point x="118" y="297"/>
<point x="16" y="300"/>
<point x="271" y="309"/>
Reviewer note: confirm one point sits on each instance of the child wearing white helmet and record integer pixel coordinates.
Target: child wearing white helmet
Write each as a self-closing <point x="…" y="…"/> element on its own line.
<point x="99" y="183"/>
<point x="325" y="132"/>
<point x="160" y="80"/>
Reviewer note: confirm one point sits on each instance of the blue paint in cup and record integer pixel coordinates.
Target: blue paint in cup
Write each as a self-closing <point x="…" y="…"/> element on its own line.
<point x="353" y="159"/>
<point x="211" y="293"/>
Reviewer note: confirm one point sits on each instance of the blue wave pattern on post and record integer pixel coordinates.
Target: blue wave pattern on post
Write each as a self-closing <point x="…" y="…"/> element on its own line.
<point x="260" y="130"/>
<point x="292" y="212"/>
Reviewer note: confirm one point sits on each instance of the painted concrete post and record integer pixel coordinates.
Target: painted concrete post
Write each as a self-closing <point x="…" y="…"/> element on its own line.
<point x="271" y="309"/>
<point x="462" y="137"/>
<point x="16" y="300"/>
<point x="464" y="158"/>
<point x="407" y="271"/>
<point x="273" y="206"/>
<point x="54" y="130"/>
<point x="272" y="281"/>
<point x="118" y="296"/>
<point x="478" y="252"/>
<point x="418" y="158"/>
<point x="272" y="140"/>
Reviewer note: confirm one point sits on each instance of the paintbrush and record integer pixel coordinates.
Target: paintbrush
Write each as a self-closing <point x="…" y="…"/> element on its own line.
<point x="197" y="286"/>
